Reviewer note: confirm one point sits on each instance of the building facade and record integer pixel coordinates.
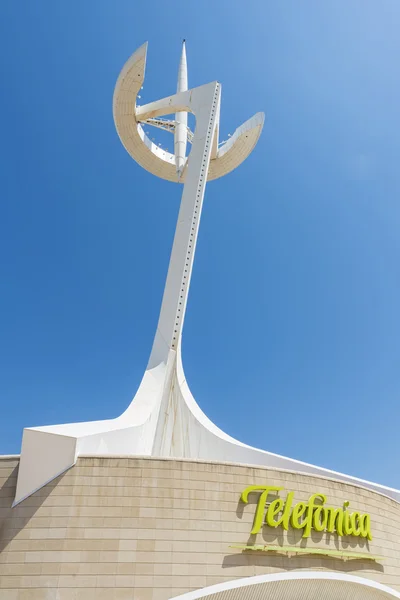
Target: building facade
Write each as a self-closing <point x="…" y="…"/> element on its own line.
<point x="154" y="529"/>
<point x="159" y="503"/>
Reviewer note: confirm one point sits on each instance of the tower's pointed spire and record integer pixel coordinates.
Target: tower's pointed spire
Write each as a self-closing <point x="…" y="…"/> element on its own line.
<point x="182" y="72"/>
<point x="180" y="138"/>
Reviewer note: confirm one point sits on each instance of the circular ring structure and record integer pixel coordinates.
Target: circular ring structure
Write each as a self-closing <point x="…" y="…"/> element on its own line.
<point x="160" y="162"/>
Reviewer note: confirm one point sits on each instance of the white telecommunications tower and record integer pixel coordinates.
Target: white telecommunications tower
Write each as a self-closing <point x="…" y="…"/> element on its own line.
<point x="163" y="420"/>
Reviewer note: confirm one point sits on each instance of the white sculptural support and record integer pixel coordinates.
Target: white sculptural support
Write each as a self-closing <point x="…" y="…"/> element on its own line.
<point x="163" y="420"/>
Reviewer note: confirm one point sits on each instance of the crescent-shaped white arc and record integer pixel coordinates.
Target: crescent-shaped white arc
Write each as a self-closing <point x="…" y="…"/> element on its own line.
<point x="154" y="159"/>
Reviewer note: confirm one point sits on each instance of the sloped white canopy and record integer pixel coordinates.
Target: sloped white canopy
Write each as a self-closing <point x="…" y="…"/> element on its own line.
<point x="306" y="585"/>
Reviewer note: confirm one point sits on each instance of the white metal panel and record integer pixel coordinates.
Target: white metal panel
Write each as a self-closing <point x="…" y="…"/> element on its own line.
<point x="306" y="585"/>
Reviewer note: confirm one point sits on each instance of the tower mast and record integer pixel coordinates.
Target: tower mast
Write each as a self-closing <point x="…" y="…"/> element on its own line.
<point x="180" y="136"/>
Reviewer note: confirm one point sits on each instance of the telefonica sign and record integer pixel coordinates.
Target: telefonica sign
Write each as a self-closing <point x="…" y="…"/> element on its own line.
<point x="305" y="515"/>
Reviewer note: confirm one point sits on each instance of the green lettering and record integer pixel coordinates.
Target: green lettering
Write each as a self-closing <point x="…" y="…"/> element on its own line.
<point x="320" y="519"/>
<point x="286" y="510"/>
<point x="310" y="513"/>
<point x="273" y="510"/>
<point x="305" y="515"/>
<point x="259" y="513"/>
<point x="335" y="520"/>
<point x="355" y="523"/>
<point x="298" y="511"/>
<point x="347" y="529"/>
<point x="365" y="526"/>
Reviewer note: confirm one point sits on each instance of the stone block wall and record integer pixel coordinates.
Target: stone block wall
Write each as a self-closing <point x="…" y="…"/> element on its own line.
<point x="150" y="529"/>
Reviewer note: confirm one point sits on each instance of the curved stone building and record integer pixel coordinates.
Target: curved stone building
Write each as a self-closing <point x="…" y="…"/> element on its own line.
<point x="159" y="503"/>
<point x="154" y="529"/>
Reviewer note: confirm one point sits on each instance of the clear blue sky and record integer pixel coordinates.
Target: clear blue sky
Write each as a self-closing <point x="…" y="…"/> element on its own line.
<point x="292" y="334"/>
